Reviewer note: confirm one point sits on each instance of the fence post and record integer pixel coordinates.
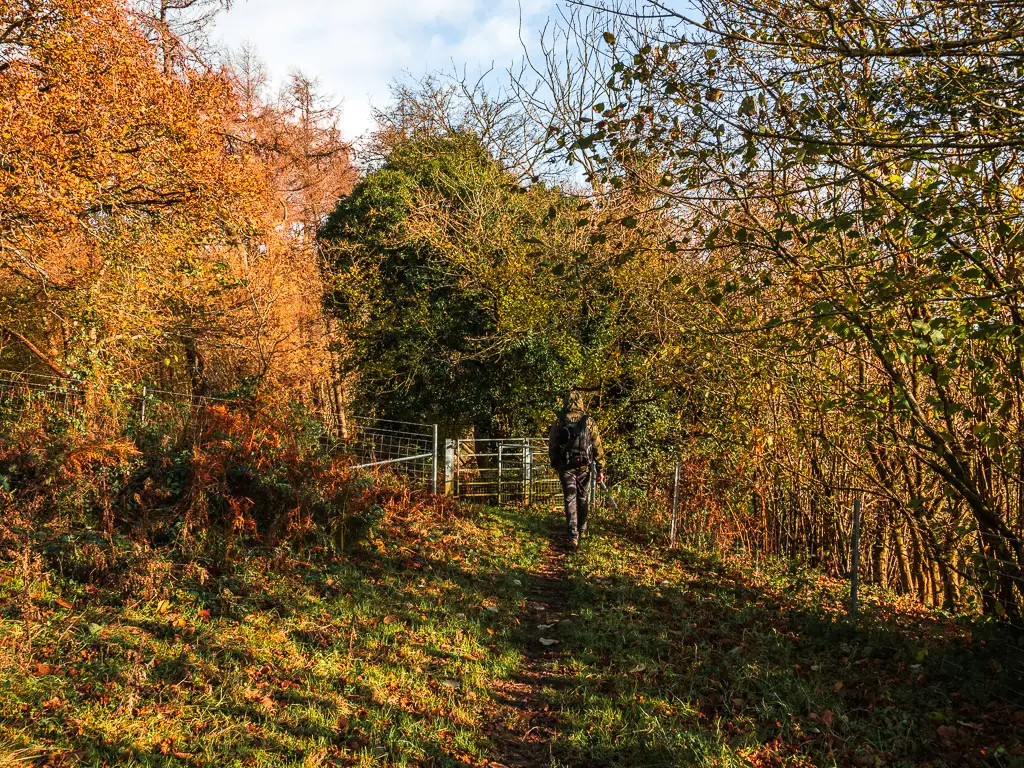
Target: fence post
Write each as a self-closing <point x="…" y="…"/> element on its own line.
<point x="855" y="557"/>
<point x="433" y="465"/>
<point x="527" y="473"/>
<point x="501" y="467"/>
<point x="143" y="406"/>
<point x="675" y="506"/>
<point x="449" y="466"/>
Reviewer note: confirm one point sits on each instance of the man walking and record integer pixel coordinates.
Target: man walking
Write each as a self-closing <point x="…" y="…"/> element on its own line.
<point x="575" y="449"/>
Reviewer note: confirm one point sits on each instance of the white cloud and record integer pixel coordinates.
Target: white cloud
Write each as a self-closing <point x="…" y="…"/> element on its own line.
<point x="358" y="47"/>
<point x="497" y="38"/>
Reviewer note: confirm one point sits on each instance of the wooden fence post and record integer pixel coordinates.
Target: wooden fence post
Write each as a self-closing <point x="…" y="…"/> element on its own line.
<point x="449" y="466"/>
<point x="433" y="464"/>
<point x="675" y="506"/>
<point x="501" y="467"/>
<point x="527" y="474"/>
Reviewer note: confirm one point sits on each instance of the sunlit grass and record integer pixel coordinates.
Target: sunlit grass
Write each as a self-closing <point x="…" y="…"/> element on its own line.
<point x="390" y="654"/>
<point x="383" y="655"/>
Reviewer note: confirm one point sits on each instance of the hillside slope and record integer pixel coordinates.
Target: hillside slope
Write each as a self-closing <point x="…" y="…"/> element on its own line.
<point x="445" y="637"/>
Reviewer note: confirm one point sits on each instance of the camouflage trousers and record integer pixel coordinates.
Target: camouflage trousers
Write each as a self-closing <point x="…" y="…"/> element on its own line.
<point x="576" y="493"/>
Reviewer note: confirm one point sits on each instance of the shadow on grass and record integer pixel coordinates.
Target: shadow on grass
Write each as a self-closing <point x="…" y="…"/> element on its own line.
<point x="667" y="658"/>
<point x="697" y="665"/>
<point x="709" y="667"/>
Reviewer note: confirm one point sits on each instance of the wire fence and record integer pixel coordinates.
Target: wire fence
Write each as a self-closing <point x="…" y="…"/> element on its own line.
<point x="407" y="449"/>
<point x="502" y="471"/>
<point x="986" y="566"/>
<point x="16" y="389"/>
<point x="158" y="411"/>
<point x="997" y="569"/>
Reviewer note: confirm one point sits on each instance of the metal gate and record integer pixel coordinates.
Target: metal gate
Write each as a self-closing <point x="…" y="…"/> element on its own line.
<point x="502" y="471"/>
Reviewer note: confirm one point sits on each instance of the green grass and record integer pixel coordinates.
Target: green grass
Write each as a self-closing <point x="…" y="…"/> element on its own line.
<point x="384" y="656"/>
<point x="389" y="656"/>
<point x="683" y="659"/>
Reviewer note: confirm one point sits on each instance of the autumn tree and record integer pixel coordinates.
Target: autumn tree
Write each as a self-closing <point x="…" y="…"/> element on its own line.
<point x="156" y="242"/>
<point x="476" y="300"/>
<point x="861" y="166"/>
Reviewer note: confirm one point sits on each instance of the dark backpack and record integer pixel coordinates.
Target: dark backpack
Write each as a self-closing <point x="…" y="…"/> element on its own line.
<point x="574" y="445"/>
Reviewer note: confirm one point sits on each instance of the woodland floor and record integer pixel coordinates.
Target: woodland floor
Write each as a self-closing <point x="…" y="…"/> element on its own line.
<point x="423" y="646"/>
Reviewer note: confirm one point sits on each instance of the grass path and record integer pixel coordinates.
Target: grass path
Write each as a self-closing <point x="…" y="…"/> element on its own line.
<point x="421" y="646"/>
<point x="530" y="727"/>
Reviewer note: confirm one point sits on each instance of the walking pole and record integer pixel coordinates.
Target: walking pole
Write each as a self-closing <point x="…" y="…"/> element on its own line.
<point x="604" y="487"/>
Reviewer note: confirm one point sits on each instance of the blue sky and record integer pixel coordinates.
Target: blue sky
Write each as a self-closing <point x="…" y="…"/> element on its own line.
<point x="358" y="47"/>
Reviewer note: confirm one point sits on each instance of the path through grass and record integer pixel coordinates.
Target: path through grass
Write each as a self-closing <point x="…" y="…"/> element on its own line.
<point x="423" y="646"/>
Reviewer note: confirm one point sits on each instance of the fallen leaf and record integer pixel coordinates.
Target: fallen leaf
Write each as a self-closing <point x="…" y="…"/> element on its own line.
<point x="827" y="717"/>
<point x="838" y="686"/>
<point x="64" y="604"/>
<point x="547" y="641"/>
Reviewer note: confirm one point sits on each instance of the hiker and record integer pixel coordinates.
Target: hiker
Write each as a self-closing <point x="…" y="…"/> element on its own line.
<point x="576" y="452"/>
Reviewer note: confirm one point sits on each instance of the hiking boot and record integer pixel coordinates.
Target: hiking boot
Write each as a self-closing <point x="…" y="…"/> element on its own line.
<point x="583" y="532"/>
<point x="574" y="541"/>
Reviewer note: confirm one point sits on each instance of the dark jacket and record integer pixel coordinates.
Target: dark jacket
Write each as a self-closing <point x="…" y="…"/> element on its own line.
<point x="572" y="413"/>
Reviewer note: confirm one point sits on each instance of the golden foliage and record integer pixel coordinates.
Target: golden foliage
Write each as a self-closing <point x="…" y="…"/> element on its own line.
<point x="96" y="454"/>
<point x="150" y="218"/>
